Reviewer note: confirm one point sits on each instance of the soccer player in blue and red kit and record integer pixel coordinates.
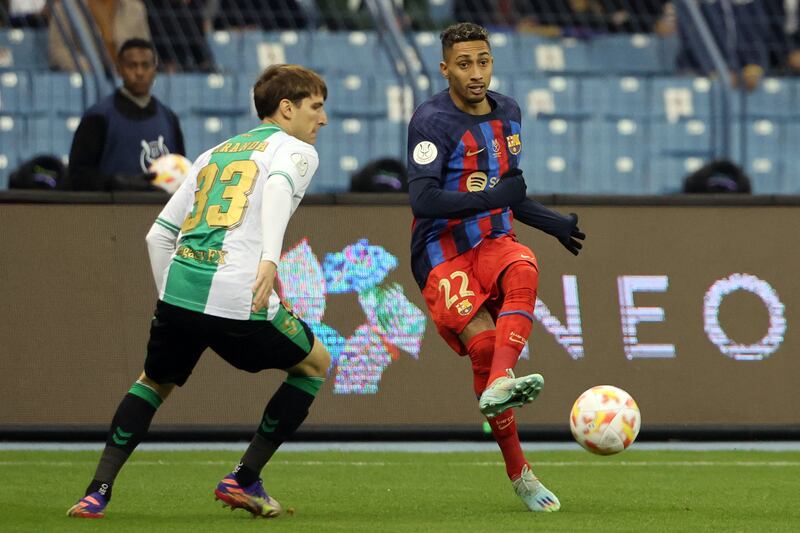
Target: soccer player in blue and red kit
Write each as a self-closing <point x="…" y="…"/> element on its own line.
<point x="479" y="283"/>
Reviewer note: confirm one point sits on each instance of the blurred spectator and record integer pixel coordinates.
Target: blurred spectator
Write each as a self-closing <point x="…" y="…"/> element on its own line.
<point x="27" y="13"/>
<point x="338" y="15"/>
<point x="179" y="28"/>
<point x="116" y="21"/>
<point x="120" y="136"/>
<point x="740" y="30"/>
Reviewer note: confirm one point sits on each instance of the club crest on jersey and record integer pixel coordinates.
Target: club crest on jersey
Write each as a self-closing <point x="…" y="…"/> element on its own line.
<point x="514" y="144"/>
<point x="301" y="163"/>
<point x="424" y="153"/>
<point x="464" y="307"/>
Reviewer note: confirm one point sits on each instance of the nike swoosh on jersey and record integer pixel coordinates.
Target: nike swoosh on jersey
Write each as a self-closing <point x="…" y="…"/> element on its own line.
<point x="470" y="153"/>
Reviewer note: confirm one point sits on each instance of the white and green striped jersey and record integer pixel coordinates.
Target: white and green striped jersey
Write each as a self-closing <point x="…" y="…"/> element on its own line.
<point x="216" y="216"/>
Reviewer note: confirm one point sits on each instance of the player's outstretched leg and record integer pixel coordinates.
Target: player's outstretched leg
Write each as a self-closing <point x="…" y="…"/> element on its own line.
<point x="508" y="392"/>
<point x="285" y="412"/>
<point x="534" y="494"/>
<point x="252" y="498"/>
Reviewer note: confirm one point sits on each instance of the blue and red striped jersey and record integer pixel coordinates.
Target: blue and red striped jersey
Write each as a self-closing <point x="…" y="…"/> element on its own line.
<point x="466" y="153"/>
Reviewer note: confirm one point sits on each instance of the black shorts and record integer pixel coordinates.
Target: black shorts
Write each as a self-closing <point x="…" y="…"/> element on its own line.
<point x="178" y="337"/>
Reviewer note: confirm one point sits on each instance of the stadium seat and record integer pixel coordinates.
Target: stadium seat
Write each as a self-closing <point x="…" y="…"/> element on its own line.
<point x="429" y="48"/>
<point x="343" y="148"/>
<point x="395" y="101"/>
<point x="12" y="137"/>
<point x="227" y="49"/>
<point x="389" y="139"/>
<point x="764" y="156"/>
<point x="668" y="50"/>
<point x="556" y="56"/>
<point x="262" y="49"/>
<point x="667" y="172"/>
<point x="550" y="157"/>
<point x="773" y="99"/>
<point x="212" y="94"/>
<point x="617" y="154"/>
<point x="685" y="138"/>
<point x="356" y="52"/>
<point x="15" y="92"/>
<point x="244" y="123"/>
<point x="627" y="54"/>
<point x="791" y="140"/>
<point x="614" y="97"/>
<point x="23" y="49"/>
<point x="50" y="135"/>
<point x="60" y="92"/>
<point x="548" y="96"/>
<point x="354" y="95"/>
<point x="677" y="97"/>
<point x="505" y="51"/>
<point x="202" y="132"/>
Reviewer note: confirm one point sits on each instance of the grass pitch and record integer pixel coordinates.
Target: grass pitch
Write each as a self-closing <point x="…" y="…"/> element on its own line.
<point x="373" y="491"/>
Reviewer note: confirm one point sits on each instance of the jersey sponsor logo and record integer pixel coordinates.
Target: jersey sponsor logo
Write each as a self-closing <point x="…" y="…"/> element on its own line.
<point x="477" y="181"/>
<point x="301" y="163"/>
<point x="514" y="144"/>
<point x="464" y="307"/>
<point x="425" y="152"/>
<point x="516" y="337"/>
<point x="470" y="153"/>
<point x="495" y="148"/>
<point x="151" y="150"/>
<point x="216" y="257"/>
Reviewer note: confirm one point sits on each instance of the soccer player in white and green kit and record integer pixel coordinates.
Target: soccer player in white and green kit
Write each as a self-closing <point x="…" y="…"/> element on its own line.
<point x="214" y="251"/>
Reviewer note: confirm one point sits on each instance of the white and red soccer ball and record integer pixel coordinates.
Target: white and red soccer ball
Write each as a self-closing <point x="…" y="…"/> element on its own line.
<point x="605" y="420"/>
<point x="170" y="170"/>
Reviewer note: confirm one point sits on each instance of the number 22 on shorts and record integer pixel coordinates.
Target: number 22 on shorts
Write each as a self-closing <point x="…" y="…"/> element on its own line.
<point x="464" y="307"/>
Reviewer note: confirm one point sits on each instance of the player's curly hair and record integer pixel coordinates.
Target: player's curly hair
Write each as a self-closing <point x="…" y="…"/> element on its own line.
<point x="462" y="32"/>
<point x="291" y="82"/>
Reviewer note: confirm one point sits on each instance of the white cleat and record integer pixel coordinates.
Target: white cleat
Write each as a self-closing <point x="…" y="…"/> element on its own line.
<point x="509" y="392"/>
<point x="536" y="496"/>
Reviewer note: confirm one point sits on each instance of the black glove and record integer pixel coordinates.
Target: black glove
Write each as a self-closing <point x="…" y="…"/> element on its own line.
<point x="571" y="235"/>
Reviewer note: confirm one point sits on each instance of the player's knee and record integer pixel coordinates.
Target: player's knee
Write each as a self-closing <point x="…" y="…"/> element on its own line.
<point x="520" y="282"/>
<point x="162" y="390"/>
<point x="317" y="362"/>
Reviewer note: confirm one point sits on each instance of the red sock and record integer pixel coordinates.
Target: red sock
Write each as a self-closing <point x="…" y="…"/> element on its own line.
<point x="515" y="320"/>
<point x="504" y="427"/>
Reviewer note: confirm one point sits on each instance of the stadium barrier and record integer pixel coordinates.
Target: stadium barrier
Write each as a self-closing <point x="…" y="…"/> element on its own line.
<point x="688" y="303"/>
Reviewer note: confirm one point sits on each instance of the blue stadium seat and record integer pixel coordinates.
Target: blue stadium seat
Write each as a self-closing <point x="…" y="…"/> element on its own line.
<point x="625" y="96"/>
<point x="550" y="155"/>
<point x="356" y="52"/>
<point x="23" y="49"/>
<point x="668" y="50"/>
<point x="60" y="92"/>
<point x="429" y="48"/>
<point x="676" y="97"/>
<point x="505" y="51"/>
<point x="554" y="56"/>
<point x="354" y="95"/>
<point x="791" y="140"/>
<point x="343" y="148"/>
<point x="227" y="49"/>
<point x="202" y="132"/>
<point x="395" y="101"/>
<point x="389" y="139"/>
<point x="546" y="96"/>
<point x="205" y="93"/>
<point x="50" y="135"/>
<point x="262" y="49"/>
<point x="627" y="54"/>
<point x="773" y="99"/>
<point x="12" y="138"/>
<point x="15" y="92"/>
<point x="684" y="138"/>
<point x="613" y="157"/>
<point x="666" y="172"/>
<point x="244" y="123"/>
<point x="764" y="156"/>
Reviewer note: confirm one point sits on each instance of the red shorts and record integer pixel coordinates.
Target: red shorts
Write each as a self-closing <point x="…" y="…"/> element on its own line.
<point x="457" y="288"/>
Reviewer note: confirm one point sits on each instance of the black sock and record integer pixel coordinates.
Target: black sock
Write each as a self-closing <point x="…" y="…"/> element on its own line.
<point x="128" y="427"/>
<point x="285" y="412"/>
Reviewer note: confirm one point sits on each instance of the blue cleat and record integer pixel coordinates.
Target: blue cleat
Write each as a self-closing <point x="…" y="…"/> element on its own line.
<point x="90" y="506"/>
<point x="253" y="499"/>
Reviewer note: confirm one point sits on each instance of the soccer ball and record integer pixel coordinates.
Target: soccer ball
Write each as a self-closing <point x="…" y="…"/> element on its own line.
<point x="605" y="420"/>
<point x="170" y="171"/>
